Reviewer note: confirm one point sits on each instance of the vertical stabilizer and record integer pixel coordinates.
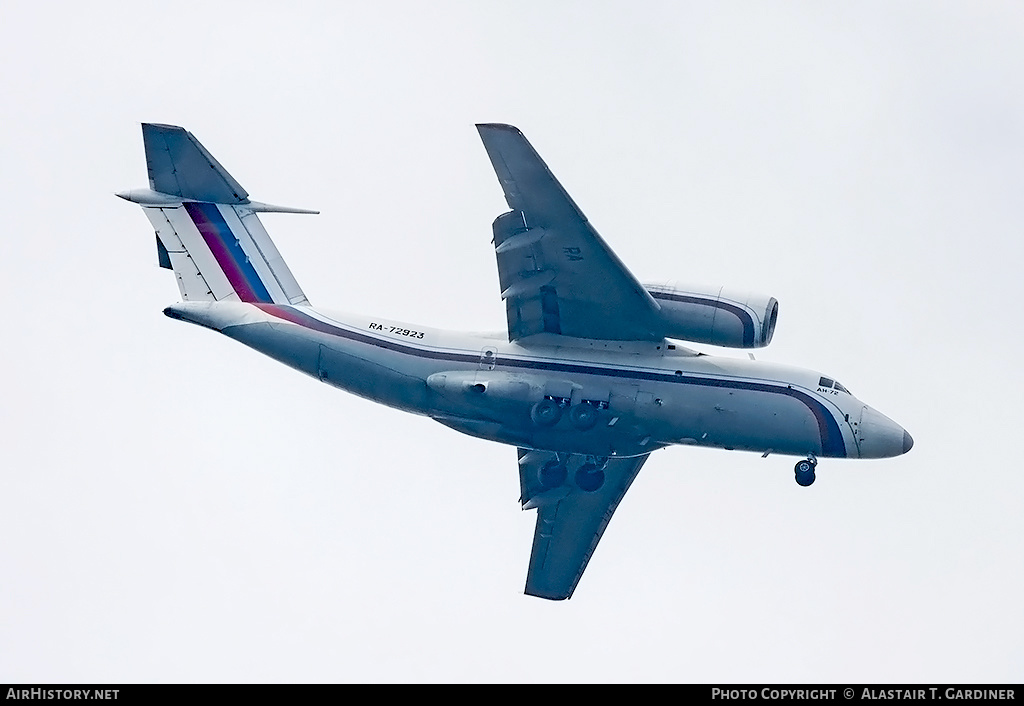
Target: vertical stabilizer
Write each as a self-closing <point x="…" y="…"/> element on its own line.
<point x="207" y="229"/>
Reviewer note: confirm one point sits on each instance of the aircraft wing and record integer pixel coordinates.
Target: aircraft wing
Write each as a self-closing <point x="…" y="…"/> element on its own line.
<point x="570" y="521"/>
<point x="557" y="275"/>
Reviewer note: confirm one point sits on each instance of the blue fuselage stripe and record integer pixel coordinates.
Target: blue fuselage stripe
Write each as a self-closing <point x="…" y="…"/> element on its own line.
<point x="832" y="442"/>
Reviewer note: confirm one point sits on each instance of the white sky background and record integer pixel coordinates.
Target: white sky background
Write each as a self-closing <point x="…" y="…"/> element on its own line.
<point x="176" y="507"/>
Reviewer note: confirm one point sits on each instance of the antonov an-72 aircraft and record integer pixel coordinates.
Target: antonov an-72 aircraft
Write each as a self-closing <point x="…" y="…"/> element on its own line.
<point x="588" y="381"/>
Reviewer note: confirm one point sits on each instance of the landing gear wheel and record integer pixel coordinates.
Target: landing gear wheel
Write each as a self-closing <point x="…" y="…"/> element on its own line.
<point x="805" y="479"/>
<point x="552" y="474"/>
<point x="589" y="477"/>
<point x="546" y="413"/>
<point x="583" y="416"/>
<point x="804" y="472"/>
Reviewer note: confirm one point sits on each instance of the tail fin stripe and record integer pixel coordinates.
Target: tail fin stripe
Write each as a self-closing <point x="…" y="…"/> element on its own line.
<point x="206" y="226"/>
<point x="228" y="252"/>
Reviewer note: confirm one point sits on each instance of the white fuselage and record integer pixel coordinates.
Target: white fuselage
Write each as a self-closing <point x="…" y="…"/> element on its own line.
<point x="648" y="394"/>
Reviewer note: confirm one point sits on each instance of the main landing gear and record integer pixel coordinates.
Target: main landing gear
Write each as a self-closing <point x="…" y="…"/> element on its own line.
<point x="548" y="412"/>
<point x="589" y="477"/>
<point x="583" y="416"/>
<point x="805" y="471"/>
<point x="552" y="474"/>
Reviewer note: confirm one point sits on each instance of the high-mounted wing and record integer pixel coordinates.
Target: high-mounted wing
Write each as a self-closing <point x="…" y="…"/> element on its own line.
<point x="557" y="275"/>
<point x="570" y="521"/>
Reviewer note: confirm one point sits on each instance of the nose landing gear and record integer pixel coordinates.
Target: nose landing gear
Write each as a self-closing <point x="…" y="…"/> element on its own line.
<point x="805" y="471"/>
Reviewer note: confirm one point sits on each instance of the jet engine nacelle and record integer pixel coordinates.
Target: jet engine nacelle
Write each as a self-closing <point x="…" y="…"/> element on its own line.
<point x="716" y="316"/>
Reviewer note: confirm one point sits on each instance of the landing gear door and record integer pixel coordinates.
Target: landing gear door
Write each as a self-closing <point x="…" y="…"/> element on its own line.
<point x="622" y="401"/>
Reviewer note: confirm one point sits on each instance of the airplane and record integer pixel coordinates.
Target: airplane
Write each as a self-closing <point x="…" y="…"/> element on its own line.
<point x="590" y="379"/>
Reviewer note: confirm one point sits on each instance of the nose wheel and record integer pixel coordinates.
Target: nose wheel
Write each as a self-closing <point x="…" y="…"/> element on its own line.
<point x="805" y="471"/>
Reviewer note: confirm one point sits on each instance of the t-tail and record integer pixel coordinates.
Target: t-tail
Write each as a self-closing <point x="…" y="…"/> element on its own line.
<point x="207" y="229"/>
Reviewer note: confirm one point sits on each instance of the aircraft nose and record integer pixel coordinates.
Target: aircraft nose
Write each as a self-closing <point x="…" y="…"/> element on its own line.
<point x="881" y="437"/>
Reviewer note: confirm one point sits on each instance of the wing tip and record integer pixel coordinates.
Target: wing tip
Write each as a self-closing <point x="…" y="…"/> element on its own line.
<point x="162" y="127"/>
<point x="549" y="596"/>
<point x="503" y="127"/>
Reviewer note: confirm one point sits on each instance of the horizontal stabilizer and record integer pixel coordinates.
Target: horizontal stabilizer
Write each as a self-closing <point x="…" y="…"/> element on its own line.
<point x="148" y="197"/>
<point x="271" y="208"/>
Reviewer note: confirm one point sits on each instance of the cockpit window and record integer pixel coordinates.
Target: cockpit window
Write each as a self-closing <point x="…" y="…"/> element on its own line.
<point x="825" y="384"/>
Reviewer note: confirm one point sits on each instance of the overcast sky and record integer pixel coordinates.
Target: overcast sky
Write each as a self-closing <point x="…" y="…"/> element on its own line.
<point x="176" y="507"/>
